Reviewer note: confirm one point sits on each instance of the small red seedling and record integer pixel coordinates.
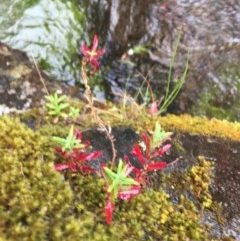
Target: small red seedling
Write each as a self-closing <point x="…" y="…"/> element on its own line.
<point x="75" y="154"/>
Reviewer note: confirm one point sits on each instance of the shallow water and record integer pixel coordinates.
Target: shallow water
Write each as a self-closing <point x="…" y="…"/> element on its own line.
<point x="48" y="31"/>
<point x="52" y="31"/>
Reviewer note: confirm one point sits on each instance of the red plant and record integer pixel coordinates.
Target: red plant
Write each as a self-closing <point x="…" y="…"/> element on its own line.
<point x="92" y="55"/>
<point x="125" y="195"/>
<point x="77" y="159"/>
<point x="147" y="158"/>
<point x="109" y="208"/>
<point x="118" y="185"/>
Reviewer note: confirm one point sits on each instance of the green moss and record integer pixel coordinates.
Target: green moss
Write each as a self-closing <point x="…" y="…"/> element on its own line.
<point x="37" y="203"/>
<point x="34" y="200"/>
<point x="159" y="219"/>
<point x="201" y="125"/>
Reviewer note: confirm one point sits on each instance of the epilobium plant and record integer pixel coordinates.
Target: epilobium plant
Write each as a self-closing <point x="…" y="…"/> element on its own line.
<point x="73" y="112"/>
<point x="92" y="55"/>
<point x="70" y="142"/>
<point x="57" y="107"/>
<point x="75" y="152"/>
<point x="118" y="182"/>
<point x="148" y="152"/>
<point x="119" y="185"/>
<point x="56" y="104"/>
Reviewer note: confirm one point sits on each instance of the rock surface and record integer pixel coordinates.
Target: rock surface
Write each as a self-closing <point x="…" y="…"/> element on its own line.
<point x="21" y="83"/>
<point x="20" y="89"/>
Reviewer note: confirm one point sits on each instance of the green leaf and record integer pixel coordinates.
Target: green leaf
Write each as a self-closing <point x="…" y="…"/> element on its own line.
<point x="158" y="136"/>
<point x="170" y="96"/>
<point x="109" y="173"/>
<point x="50" y="105"/>
<point x="59" y="140"/>
<point x="63" y="105"/>
<point x="61" y="98"/>
<point x="118" y="181"/>
<point x="55" y="104"/>
<point x="69" y="143"/>
<point x="74" y="112"/>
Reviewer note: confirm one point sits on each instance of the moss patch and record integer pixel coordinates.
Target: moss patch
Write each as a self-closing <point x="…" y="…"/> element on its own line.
<point x="37" y="203"/>
<point x="202" y="125"/>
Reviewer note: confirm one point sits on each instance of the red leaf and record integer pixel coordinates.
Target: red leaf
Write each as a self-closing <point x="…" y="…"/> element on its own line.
<point x="87" y="156"/>
<point x="109" y="211"/>
<point x="85" y="50"/>
<point x="78" y="134"/>
<point x="95" y="43"/>
<point x="156" y="166"/>
<point x="61" y="152"/>
<point x="64" y="166"/>
<point x="128" y="194"/>
<point x="136" y="151"/>
<point x="60" y="166"/>
<point x="86" y="169"/>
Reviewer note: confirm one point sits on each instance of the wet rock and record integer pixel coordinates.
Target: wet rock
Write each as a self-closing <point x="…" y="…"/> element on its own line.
<point x="225" y="185"/>
<point x="21" y="84"/>
<point x="123" y="139"/>
<point x="210" y="32"/>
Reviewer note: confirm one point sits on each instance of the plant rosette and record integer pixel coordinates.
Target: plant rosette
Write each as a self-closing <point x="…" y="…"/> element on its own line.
<point x="75" y="152"/>
<point x="119" y="185"/>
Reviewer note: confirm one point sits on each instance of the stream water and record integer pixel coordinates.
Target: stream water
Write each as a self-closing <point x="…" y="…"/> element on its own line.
<point x="46" y="30"/>
<point x="139" y="37"/>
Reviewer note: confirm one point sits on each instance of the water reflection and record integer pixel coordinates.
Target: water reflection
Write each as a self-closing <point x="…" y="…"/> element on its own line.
<point x="47" y="30"/>
<point x="53" y="30"/>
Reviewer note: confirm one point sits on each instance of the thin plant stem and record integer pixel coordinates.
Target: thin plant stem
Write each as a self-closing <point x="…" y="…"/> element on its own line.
<point x="172" y="62"/>
<point x="88" y="93"/>
<point x="170" y="98"/>
<point x="98" y="120"/>
<point x="39" y="73"/>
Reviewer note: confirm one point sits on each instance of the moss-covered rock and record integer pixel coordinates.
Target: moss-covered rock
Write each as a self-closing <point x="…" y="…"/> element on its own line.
<point x="202" y="125"/>
<point x="34" y="199"/>
<point x="38" y="203"/>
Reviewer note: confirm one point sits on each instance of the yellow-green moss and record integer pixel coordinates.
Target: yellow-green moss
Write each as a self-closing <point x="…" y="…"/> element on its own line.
<point x="34" y="200"/>
<point x="196" y="180"/>
<point x="37" y="203"/>
<point x="153" y="216"/>
<point x="202" y="125"/>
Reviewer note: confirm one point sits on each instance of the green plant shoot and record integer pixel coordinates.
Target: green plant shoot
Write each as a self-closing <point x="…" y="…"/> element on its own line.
<point x="56" y="104"/>
<point x="73" y="112"/>
<point x="119" y="181"/>
<point x="69" y="143"/>
<point x="158" y="135"/>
